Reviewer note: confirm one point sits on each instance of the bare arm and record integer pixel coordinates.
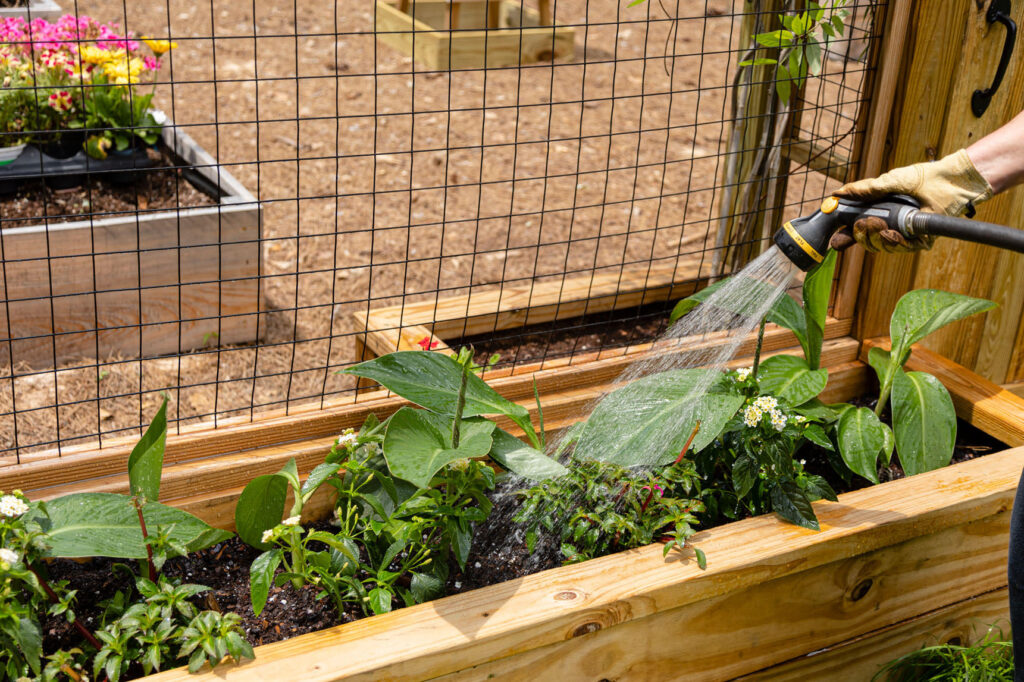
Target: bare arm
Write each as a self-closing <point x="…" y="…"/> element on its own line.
<point x="999" y="156"/>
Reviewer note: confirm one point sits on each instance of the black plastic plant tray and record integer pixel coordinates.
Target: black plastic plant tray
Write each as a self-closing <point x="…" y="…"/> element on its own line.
<point x="63" y="173"/>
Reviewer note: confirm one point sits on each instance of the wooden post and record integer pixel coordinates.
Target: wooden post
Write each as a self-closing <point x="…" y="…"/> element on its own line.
<point x="544" y="7"/>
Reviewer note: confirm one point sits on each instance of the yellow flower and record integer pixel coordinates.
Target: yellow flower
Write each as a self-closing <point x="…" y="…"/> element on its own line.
<point x="159" y="47"/>
<point x="94" y="55"/>
<point x="124" y="71"/>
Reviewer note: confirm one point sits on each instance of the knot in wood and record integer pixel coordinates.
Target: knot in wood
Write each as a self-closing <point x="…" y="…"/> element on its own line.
<point x="861" y="589"/>
<point x="566" y="595"/>
<point x="586" y="629"/>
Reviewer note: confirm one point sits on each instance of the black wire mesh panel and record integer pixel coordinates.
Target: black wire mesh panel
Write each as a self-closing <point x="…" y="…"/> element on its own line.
<point x="312" y="183"/>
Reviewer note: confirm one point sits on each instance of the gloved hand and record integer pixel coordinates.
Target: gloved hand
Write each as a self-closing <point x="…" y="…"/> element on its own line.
<point x="944" y="186"/>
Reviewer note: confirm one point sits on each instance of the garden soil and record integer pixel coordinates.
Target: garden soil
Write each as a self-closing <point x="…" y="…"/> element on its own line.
<point x="365" y="202"/>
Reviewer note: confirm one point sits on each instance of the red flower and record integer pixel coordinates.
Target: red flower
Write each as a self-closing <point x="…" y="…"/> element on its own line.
<point x="426" y="344"/>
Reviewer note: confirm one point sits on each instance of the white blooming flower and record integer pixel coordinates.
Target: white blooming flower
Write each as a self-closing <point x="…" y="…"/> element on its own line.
<point x="800" y="419"/>
<point x="158" y="116"/>
<point x="11" y="506"/>
<point x="8" y="556"/>
<point x="778" y="419"/>
<point x="803" y="462"/>
<point x="268" y="535"/>
<point x="742" y="374"/>
<point x="752" y="415"/>
<point x="766" y="403"/>
<point x="348" y="437"/>
<point x="291" y="521"/>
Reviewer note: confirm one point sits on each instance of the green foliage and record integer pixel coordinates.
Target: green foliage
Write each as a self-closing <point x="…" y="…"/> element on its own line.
<point x="114" y="118"/>
<point x="418" y="443"/>
<point x="145" y="464"/>
<point x="211" y="637"/>
<point x="989" y="660"/>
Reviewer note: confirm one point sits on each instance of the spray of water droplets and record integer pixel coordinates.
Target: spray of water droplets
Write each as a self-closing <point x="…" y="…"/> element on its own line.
<point x="708" y="337"/>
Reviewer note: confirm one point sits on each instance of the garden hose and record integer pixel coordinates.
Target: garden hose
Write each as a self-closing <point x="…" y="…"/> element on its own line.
<point x="805" y="240"/>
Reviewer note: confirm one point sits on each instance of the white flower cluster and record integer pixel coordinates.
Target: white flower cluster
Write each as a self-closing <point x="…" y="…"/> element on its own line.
<point x="742" y="374"/>
<point x="8" y="556"/>
<point x="766" y="404"/>
<point x="347" y="438"/>
<point x="291" y="521"/>
<point x="268" y="535"/>
<point x="11" y="506"/>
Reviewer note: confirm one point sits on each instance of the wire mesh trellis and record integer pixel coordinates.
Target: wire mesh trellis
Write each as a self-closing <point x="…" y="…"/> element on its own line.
<point x="318" y="195"/>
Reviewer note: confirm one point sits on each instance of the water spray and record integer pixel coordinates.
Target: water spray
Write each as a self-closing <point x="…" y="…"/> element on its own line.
<point x="805" y="240"/>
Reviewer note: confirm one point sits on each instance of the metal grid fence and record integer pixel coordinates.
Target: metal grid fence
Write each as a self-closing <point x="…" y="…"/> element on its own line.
<point x="330" y="184"/>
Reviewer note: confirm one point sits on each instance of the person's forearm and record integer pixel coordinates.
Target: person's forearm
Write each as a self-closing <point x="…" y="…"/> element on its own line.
<point x="999" y="156"/>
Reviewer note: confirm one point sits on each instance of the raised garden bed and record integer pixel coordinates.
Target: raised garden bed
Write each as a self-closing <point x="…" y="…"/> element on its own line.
<point x="165" y="280"/>
<point x="888" y="560"/>
<point x="31" y="9"/>
<point x="472" y="34"/>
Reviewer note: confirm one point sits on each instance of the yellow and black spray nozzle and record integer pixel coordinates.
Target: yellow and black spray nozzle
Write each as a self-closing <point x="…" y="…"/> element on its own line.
<point x="805" y="240"/>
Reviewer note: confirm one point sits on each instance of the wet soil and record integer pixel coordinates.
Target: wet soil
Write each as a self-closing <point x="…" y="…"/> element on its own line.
<point x="159" y="188"/>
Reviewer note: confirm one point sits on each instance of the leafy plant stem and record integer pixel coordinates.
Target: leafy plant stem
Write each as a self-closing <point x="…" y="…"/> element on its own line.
<point x="89" y="637"/>
<point x="540" y="415"/>
<point x="460" y="405"/>
<point x="886" y="388"/>
<point x="145" y="539"/>
<point x="757" y="348"/>
<point x="689" y="441"/>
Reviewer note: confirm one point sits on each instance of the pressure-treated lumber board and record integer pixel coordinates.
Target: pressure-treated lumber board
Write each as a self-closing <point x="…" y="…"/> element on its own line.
<point x="861" y="658"/>
<point x="526" y="303"/>
<point x="76" y="289"/>
<point x="871" y="145"/>
<point x="818" y="157"/>
<point x="517" y="38"/>
<point x="949" y="519"/>
<point x="986" y="405"/>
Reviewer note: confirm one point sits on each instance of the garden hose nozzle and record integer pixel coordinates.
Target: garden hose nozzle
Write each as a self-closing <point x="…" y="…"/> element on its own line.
<point x="805" y="240"/>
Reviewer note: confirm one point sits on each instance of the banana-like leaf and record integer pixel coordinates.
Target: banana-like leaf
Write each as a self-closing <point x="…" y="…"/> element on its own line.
<point x="791" y="378"/>
<point x="923" y="311"/>
<point x="418" y="443"/>
<point x="924" y="420"/>
<point x="861" y="440"/>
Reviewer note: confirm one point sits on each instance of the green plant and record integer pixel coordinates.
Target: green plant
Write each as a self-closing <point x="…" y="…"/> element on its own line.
<point x="16" y="104"/>
<point x="211" y="637"/>
<point x="989" y="660"/>
<point x="115" y="118"/>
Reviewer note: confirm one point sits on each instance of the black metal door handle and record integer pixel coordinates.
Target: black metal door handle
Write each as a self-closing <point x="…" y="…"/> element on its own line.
<point x="998" y="11"/>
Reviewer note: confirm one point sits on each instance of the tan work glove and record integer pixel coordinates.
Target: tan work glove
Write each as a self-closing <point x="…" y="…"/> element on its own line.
<point x="944" y="186"/>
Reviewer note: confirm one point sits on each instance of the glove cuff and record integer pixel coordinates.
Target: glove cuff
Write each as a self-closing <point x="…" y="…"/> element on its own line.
<point x="969" y="186"/>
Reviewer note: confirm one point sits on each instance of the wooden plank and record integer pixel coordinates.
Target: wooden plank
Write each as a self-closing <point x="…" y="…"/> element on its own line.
<point x="870" y="146"/>
<point x="818" y="157"/>
<point x="920" y="106"/>
<point x="988" y="406"/>
<point x="409" y="36"/>
<point x="949" y="520"/>
<point x="518" y="305"/>
<point x="861" y="658"/>
<point x="183" y="478"/>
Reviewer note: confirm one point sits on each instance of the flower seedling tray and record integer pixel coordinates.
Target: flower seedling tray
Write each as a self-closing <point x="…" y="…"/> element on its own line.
<point x="472" y="34"/>
<point x="777" y="601"/>
<point x="33" y="164"/>
<point x="157" y="281"/>
<point x="37" y="9"/>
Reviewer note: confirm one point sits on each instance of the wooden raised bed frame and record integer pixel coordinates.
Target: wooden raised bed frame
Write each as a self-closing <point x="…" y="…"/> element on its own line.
<point x="37" y="9"/>
<point x="884" y="574"/>
<point x="177" y="278"/>
<point x="472" y="34"/>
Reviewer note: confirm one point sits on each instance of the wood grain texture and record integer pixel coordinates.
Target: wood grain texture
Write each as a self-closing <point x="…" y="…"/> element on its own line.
<point x="510" y="34"/>
<point x="527" y="303"/>
<point x="151" y="284"/>
<point x="920" y="108"/>
<point x="862" y="657"/>
<point x="757" y="568"/>
<point x="818" y="157"/>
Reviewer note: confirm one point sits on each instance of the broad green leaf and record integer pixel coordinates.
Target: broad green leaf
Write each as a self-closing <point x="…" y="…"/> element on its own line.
<point x="924" y="420"/>
<point x="316" y="478"/>
<point x="432" y="380"/>
<point x="817" y="288"/>
<point x="261" y="577"/>
<point x="744" y="475"/>
<point x="418" y="444"/>
<point x="690" y="302"/>
<point x="787" y="313"/>
<point x="516" y="456"/>
<point x="790" y="502"/>
<point x="145" y="464"/>
<point x="30" y="641"/>
<point x="783" y="85"/>
<point x="861" y="439"/>
<point x="923" y="311"/>
<point x="817" y="488"/>
<point x="425" y="587"/>
<point x="879" y="361"/>
<point x="260" y="507"/>
<point x="816" y="435"/>
<point x="648" y="421"/>
<point x="815" y="409"/>
<point x="107" y="525"/>
<point x="290" y="471"/>
<point x="744" y="296"/>
<point x="759" y="61"/>
<point x="788" y="377"/>
<point x="812" y="52"/>
<point x="380" y="599"/>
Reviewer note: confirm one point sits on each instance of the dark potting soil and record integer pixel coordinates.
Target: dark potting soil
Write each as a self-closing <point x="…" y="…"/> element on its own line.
<point x="162" y="187"/>
<point x="562" y="338"/>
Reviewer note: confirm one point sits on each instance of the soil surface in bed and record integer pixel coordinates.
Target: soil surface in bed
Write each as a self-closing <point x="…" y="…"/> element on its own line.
<point x="289" y="612"/>
<point x="162" y="187"/>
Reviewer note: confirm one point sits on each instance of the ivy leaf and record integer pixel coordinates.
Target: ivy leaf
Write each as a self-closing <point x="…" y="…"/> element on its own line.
<point x="145" y="464"/>
<point x="925" y="422"/>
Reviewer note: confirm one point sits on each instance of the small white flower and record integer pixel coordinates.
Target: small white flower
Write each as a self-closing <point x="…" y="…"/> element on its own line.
<point x="291" y="521"/>
<point x="458" y="584"/>
<point x="348" y="437"/>
<point x="752" y="415"/>
<point x="800" y="419"/>
<point x="766" y="403"/>
<point x="11" y="506"/>
<point x="268" y="535"/>
<point x="476" y="565"/>
<point x="158" y="116"/>
<point x="803" y="462"/>
<point x="778" y="419"/>
<point x="9" y="556"/>
<point x="742" y="374"/>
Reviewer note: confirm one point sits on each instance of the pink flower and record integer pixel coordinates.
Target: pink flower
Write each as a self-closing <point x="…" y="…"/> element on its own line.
<point x="60" y="101"/>
<point x="426" y="344"/>
<point x="152" y="63"/>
